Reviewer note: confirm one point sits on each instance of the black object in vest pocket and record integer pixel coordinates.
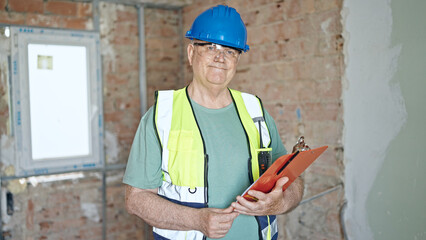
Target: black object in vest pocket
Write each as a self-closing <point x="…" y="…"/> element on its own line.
<point x="264" y="159"/>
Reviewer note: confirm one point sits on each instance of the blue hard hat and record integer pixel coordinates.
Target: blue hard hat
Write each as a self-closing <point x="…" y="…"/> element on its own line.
<point x="222" y="25"/>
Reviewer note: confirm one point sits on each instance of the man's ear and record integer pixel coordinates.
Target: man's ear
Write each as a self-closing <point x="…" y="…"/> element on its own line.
<point x="190" y="50"/>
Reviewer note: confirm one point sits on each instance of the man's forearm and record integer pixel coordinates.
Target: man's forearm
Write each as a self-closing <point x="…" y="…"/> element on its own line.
<point x="293" y="194"/>
<point x="162" y="213"/>
<point x="159" y="212"/>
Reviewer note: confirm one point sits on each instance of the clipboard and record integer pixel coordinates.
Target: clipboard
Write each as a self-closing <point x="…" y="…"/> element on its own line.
<point x="289" y="165"/>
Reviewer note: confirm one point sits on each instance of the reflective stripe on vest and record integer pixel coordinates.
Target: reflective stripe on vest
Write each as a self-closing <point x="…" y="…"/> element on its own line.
<point x="184" y="158"/>
<point x="247" y="105"/>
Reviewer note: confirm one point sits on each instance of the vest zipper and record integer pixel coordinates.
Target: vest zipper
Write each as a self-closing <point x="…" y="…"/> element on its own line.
<point x="206" y="177"/>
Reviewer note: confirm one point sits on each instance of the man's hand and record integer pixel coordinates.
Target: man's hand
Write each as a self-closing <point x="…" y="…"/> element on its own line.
<point x="271" y="203"/>
<point x="215" y="222"/>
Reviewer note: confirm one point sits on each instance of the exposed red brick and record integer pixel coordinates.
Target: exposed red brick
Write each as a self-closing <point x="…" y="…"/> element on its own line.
<point x="281" y="31"/>
<point x="12" y="18"/>
<point x="199" y="6"/>
<point x="61" y="8"/>
<point x="126" y="16"/>
<point x="43" y="20"/>
<point x="45" y="226"/>
<point x="290" y="49"/>
<point x="117" y="79"/>
<point x="298" y="8"/>
<point x="330" y="44"/>
<point x="268" y="14"/>
<point x="84" y="10"/>
<point x="114" y="116"/>
<point x="326" y="23"/>
<point x="130" y="40"/>
<point x="78" y="23"/>
<point x="324" y="5"/>
<point x="308" y="6"/>
<point x="322" y="111"/>
<point x="293" y="8"/>
<point x="246" y="5"/>
<point x="30" y="215"/>
<point x="91" y="233"/>
<point x="2" y="4"/>
<point x="68" y="223"/>
<point x="160" y="43"/>
<point x="129" y="29"/>
<point x="27" y="6"/>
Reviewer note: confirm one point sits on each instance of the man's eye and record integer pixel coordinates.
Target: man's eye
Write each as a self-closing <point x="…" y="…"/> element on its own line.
<point x="231" y="52"/>
<point x="211" y="48"/>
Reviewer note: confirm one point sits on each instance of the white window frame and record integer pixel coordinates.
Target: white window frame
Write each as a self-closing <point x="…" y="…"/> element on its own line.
<point x="25" y="165"/>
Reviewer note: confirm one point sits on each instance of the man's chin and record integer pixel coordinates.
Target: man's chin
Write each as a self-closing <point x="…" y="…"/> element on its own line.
<point x="217" y="81"/>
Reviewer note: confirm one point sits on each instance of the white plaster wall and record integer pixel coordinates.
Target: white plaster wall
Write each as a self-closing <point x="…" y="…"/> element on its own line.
<point x="374" y="110"/>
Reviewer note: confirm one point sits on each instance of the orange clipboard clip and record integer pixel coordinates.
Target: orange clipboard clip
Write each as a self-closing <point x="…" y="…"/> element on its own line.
<point x="289" y="165"/>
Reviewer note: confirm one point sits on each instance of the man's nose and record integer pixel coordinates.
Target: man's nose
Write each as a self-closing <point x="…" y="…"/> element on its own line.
<point x="220" y="56"/>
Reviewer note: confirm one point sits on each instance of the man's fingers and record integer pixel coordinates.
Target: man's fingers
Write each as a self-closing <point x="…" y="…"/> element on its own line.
<point x="257" y="194"/>
<point x="218" y="221"/>
<point x="229" y="209"/>
<point x="225" y="215"/>
<point x="243" y="205"/>
<point x="231" y="216"/>
<point x="280" y="184"/>
<point x="228" y="214"/>
<point x="266" y="201"/>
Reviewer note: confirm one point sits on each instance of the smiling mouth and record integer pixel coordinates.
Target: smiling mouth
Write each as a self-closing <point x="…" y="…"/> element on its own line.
<point x="217" y="67"/>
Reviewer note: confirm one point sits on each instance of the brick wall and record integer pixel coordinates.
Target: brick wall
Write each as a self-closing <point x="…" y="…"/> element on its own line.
<point x="72" y="209"/>
<point x="120" y="46"/>
<point x="163" y="50"/>
<point x="58" y="210"/>
<point x="120" y="225"/>
<point x="295" y="64"/>
<point x="120" y="51"/>
<point x="57" y="14"/>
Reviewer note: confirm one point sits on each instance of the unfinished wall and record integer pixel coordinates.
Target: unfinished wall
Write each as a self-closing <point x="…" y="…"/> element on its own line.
<point x="384" y="117"/>
<point x="395" y="206"/>
<point x="73" y="209"/>
<point x="295" y="64"/>
<point x="56" y="211"/>
<point x="119" y="49"/>
<point x="163" y="51"/>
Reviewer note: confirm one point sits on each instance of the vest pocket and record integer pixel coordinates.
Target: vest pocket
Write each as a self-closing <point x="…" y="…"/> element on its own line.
<point x="180" y="141"/>
<point x="184" y="165"/>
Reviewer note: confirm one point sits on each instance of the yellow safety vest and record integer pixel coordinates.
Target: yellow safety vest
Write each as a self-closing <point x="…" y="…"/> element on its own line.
<point x="185" y="160"/>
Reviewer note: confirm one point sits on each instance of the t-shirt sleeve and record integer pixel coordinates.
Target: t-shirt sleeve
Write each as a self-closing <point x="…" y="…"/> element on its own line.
<point x="277" y="145"/>
<point x="144" y="164"/>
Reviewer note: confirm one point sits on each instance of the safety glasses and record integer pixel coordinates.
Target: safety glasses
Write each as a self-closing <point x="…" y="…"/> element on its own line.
<point x="213" y="50"/>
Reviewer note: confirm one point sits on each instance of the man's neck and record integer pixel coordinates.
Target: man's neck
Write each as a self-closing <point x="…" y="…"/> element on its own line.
<point x="212" y="97"/>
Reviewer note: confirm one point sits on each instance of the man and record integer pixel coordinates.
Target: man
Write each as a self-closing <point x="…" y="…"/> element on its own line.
<point x="197" y="149"/>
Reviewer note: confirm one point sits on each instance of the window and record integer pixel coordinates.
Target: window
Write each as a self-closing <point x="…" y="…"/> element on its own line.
<point x="57" y="100"/>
